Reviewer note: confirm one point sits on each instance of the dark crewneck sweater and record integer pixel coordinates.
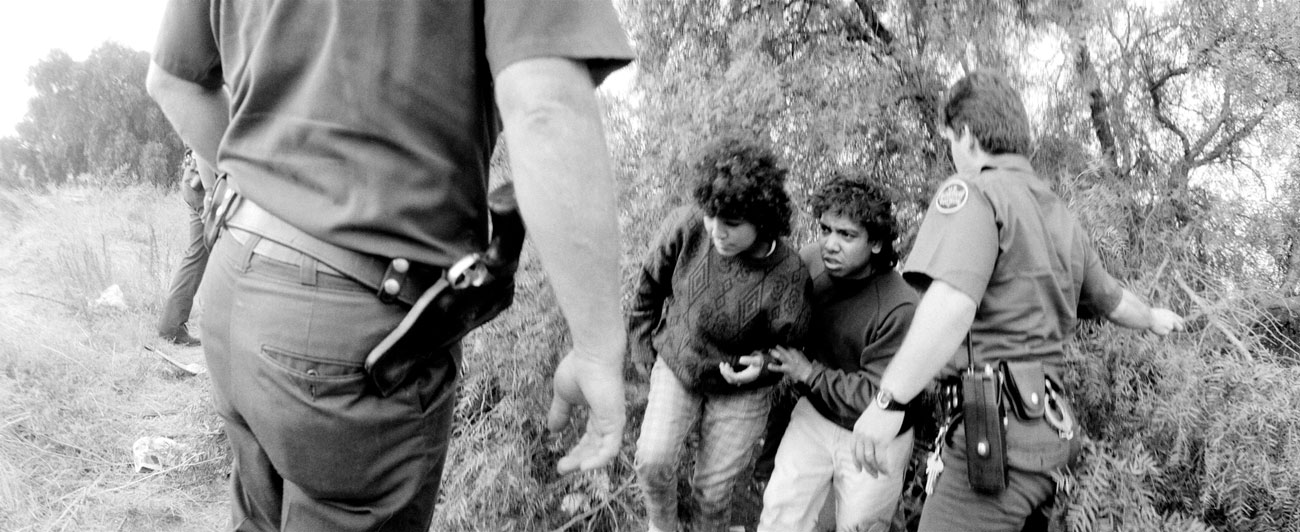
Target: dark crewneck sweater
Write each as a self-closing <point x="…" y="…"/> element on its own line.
<point x="857" y="327"/>
<point x="696" y="308"/>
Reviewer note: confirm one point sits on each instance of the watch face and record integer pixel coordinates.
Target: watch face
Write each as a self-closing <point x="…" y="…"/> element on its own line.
<point x="885" y="401"/>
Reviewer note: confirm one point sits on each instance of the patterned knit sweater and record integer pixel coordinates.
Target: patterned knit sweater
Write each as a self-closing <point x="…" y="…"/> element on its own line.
<point x="696" y="308"/>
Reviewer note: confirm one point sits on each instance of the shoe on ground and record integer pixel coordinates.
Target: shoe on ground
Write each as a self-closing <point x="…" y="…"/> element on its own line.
<point x="181" y="338"/>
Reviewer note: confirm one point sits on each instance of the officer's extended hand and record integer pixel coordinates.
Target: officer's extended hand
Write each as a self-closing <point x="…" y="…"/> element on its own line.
<point x="753" y="368"/>
<point x="791" y="362"/>
<point x="873" y="433"/>
<point x="1165" y="321"/>
<point x="580" y="381"/>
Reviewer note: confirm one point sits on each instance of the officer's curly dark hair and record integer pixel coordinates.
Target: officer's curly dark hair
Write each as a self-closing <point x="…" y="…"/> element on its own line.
<point x="986" y="102"/>
<point x="862" y="202"/>
<point x="741" y="180"/>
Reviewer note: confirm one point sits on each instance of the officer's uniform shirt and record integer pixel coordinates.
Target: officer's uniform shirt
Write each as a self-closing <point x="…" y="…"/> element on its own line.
<point x="1006" y="240"/>
<point x="376" y="134"/>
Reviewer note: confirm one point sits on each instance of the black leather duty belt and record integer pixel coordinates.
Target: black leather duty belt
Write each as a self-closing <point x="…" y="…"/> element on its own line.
<point x="392" y="279"/>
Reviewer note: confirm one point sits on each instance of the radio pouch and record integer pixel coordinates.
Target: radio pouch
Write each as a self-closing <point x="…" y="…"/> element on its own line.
<point x="986" y="449"/>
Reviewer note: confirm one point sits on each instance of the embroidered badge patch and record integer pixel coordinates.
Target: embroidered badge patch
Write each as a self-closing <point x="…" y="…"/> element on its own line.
<point x="952" y="197"/>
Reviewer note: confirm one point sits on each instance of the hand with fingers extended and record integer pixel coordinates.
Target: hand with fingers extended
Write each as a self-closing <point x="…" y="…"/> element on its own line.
<point x="873" y="433"/>
<point x="581" y="381"/>
<point x="753" y="367"/>
<point x="792" y="363"/>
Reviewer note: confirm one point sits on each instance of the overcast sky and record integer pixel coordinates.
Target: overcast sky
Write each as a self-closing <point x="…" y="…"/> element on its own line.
<point x="29" y="29"/>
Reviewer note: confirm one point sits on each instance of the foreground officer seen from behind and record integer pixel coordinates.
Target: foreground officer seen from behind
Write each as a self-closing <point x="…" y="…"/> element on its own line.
<point x="999" y="257"/>
<point x="357" y="137"/>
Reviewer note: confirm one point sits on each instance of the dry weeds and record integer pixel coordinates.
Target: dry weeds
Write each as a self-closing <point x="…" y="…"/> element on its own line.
<point x="76" y="389"/>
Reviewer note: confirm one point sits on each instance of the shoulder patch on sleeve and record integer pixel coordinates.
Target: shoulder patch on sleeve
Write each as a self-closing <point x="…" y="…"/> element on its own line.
<point x="952" y="196"/>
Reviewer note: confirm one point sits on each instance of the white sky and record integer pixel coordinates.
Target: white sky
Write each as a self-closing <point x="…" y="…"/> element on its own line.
<point x="29" y="29"/>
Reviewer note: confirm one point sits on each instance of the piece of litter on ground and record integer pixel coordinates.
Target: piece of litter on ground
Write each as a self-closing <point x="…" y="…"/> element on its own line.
<point x="192" y="368"/>
<point x="111" y="297"/>
<point x="156" y="453"/>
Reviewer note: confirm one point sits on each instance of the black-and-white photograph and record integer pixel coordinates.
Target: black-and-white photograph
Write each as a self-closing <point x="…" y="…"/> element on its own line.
<point x="650" y="265"/>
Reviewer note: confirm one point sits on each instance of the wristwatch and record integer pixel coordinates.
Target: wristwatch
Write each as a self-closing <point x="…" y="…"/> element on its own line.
<point x="886" y="402"/>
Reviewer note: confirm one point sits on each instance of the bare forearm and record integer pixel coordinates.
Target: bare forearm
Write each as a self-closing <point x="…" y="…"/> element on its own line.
<point x="564" y="181"/>
<point x="1132" y="312"/>
<point x="941" y="322"/>
<point x="199" y="115"/>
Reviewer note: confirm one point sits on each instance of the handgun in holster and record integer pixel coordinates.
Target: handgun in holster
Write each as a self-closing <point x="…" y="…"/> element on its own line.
<point x="470" y="293"/>
<point x="986" y="448"/>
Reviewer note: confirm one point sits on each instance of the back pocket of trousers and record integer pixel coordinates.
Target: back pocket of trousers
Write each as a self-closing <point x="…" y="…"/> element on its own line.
<point x="318" y="377"/>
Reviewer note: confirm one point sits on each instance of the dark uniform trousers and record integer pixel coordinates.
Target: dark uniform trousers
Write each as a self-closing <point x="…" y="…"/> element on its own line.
<point x="315" y="448"/>
<point x="955" y="506"/>
<point x="185" y="283"/>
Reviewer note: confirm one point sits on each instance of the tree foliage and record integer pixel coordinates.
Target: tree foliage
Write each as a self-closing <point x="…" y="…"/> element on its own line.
<point x="91" y="117"/>
<point x="1165" y="130"/>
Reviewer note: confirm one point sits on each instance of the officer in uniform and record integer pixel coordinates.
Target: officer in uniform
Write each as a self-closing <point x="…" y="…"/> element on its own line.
<point x="357" y="137"/>
<point x="196" y="179"/>
<point x="997" y="255"/>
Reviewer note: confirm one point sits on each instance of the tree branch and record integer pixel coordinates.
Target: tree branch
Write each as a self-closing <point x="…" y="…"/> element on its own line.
<point x="1236" y="137"/>
<point x="1291" y="281"/>
<point x="869" y="26"/>
<point x="1219" y="123"/>
<point x="1214" y="320"/>
<point x="1098" y="109"/>
<point x="1157" y="105"/>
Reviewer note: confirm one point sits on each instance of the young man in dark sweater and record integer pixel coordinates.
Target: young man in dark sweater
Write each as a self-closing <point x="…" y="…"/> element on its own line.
<point x="861" y="311"/>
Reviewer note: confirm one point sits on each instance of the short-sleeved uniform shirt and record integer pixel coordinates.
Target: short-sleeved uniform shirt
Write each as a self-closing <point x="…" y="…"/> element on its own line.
<point x="370" y="124"/>
<point x="1006" y="240"/>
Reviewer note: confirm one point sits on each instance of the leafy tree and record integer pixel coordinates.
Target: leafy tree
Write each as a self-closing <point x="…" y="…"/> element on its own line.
<point x="91" y="117"/>
<point x="1135" y="114"/>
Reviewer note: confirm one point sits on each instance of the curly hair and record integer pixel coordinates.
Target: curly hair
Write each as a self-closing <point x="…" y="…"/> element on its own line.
<point x="986" y="102"/>
<point x="865" y="204"/>
<point x="739" y="180"/>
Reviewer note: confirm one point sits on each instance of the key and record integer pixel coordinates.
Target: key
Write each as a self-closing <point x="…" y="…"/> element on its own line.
<point x="933" y="466"/>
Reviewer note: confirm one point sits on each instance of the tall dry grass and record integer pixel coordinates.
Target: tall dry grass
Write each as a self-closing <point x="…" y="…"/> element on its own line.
<point x="76" y="387"/>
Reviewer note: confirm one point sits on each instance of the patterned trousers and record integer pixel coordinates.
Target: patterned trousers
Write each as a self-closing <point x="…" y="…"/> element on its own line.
<point x="729" y="426"/>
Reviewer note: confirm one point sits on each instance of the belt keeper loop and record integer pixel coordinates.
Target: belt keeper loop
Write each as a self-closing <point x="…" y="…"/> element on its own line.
<point x="394" y="279"/>
<point x="307" y="271"/>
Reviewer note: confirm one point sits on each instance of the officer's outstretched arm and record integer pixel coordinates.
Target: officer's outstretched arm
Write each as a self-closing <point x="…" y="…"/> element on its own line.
<point x="564" y="182"/>
<point x="199" y="114"/>
<point x="940" y="323"/>
<point x="1134" y="313"/>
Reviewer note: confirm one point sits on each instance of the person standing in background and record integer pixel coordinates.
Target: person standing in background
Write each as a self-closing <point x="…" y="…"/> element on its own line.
<point x="196" y="179"/>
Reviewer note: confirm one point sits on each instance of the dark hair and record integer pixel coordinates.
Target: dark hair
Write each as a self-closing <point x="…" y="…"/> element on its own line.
<point x="740" y="180"/>
<point x="865" y="204"/>
<point x="986" y="102"/>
